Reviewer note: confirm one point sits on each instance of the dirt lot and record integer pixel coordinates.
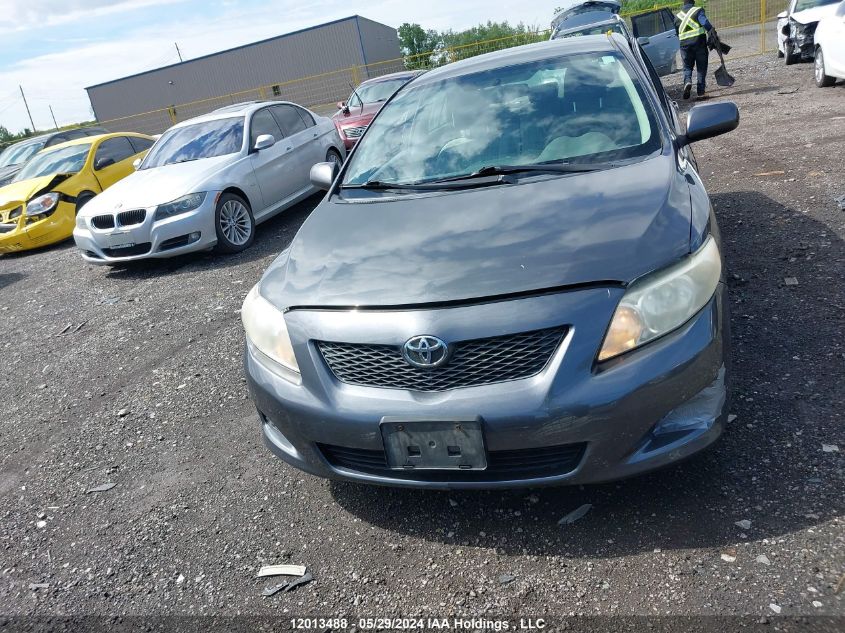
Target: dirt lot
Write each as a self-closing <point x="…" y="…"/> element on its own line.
<point x="145" y="390"/>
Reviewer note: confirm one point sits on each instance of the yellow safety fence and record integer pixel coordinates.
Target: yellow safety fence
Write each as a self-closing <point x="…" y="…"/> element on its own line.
<point x="748" y="26"/>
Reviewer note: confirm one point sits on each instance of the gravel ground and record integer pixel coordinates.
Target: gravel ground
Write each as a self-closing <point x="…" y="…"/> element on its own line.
<point x="144" y="389"/>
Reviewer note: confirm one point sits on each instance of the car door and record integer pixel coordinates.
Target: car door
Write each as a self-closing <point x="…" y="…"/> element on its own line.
<point x="834" y="43"/>
<point x="298" y="142"/>
<point x="663" y="43"/>
<point x="113" y="160"/>
<point x="273" y="165"/>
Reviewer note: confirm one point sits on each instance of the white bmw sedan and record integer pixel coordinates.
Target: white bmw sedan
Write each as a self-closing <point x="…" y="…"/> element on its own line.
<point x="207" y="182"/>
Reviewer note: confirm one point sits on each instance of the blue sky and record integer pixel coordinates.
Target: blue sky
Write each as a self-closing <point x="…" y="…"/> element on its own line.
<point x="55" y="48"/>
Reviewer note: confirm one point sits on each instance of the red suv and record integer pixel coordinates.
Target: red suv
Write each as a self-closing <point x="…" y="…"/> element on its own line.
<point x="365" y="101"/>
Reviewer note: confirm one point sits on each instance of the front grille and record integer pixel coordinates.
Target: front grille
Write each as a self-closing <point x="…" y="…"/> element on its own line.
<point x="529" y="463"/>
<point x="130" y="218"/>
<point x="103" y="221"/>
<point x="129" y="251"/>
<point x="478" y="362"/>
<point x="355" y="132"/>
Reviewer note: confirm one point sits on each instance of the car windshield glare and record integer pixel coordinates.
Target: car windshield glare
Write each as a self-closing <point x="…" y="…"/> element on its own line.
<point x="194" y="142"/>
<point x="63" y="160"/>
<point x="20" y="153"/>
<point x="803" y="5"/>
<point x="375" y="92"/>
<point x="583" y="108"/>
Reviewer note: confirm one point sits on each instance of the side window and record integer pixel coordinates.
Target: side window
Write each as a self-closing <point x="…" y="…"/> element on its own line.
<point x="288" y="119"/>
<point x="140" y="144"/>
<point x="61" y="138"/>
<point x="647" y="24"/>
<point x="113" y="150"/>
<point x="264" y="123"/>
<point x="668" y="20"/>
<point x="307" y="119"/>
<point x="354" y="101"/>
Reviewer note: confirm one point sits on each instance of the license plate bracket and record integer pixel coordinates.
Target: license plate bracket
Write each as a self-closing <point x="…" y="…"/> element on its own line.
<point x="427" y="444"/>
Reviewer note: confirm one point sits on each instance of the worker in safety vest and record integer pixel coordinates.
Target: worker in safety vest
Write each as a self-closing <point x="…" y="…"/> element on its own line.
<point x="692" y="26"/>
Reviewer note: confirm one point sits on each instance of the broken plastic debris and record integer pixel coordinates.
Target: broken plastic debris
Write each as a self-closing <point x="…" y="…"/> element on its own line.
<point x="732" y="417"/>
<point x="288" y="585"/>
<point x="100" y="488"/>
<point x="35" y="586"/>
<point x="745" y="524"/>
<point x="830" y="448"/>
<point x="762" y="558"/>
<point x="281" y="570"/>
<point x="504" y="579"/>
<point x="728" y="558"/>
<point x="573" y="516"/>
<point x="791" y="281"/>
<point x="775" y="608"/>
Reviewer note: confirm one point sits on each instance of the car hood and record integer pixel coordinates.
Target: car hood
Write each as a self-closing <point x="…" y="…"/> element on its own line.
<point x="808" y="16"/>
<point x="357" y="116"/>
<point x="20" y="192"/>
<point x="609" y="226"/>
<point x="151" y="187"/>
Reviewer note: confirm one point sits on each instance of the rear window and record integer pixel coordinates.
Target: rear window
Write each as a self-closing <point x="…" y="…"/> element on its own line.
<point x="579" y="108"/>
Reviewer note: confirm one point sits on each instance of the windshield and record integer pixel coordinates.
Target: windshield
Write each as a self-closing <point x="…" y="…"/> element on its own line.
<point x="63" y="160"/>
<point x="375" y="92"/>
<point x="193" y="142"/>
<point x="599" y="29"/>
<point x="579" y="108"/>
<point x="803" y="5"/>
<point x="20" y="153"/>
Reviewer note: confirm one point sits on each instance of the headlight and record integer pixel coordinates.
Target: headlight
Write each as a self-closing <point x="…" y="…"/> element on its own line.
<point x="184" y="204"/>
<point x="266" y="330"/>
<point x="663" y="301"/>
<point x="42" y="205"/>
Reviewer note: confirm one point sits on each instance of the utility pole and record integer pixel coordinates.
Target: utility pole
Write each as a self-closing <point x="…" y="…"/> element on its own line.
<point x="27" y="108"/>
<point x="178" y="52"/>
<point x="54" y="117"/>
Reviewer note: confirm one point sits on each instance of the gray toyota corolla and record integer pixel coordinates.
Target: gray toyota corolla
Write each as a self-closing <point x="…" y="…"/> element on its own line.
<point x="515" y="280"/>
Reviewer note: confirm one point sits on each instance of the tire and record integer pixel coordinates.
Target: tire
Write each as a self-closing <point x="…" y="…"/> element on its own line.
<point x="789" y="56"/>
<point x="780" y="54"/>
<point x="234" y="224"/>
<point x="823" y="80"/>
<point x="333" y="156"/>
<point x="82" y="199"/>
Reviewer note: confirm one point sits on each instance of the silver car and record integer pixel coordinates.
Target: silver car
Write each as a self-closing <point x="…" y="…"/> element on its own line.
<point x="208" y="182"/>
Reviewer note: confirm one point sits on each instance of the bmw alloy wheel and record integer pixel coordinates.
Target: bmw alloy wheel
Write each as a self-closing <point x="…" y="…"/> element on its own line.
<point x="235" y="222"/>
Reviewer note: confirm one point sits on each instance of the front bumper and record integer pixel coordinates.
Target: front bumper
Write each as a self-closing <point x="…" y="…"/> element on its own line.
<point x="55" y="228"/>
<point x="613" y="413"/>
<point x="186" y="233"/>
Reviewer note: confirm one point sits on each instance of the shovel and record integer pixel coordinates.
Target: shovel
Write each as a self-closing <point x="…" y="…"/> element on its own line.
<point x="723" y="77"/>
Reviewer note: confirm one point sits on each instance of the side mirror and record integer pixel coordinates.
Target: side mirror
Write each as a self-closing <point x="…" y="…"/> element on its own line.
<point x="102" y="163"/>
<point x="643" y="41"/>
<point x="323" y="175"/>
<point x="136" y="164"/>
<point x="341" y="105"/>
<point x="264" y="141"/>
<point x="709" y="120"/>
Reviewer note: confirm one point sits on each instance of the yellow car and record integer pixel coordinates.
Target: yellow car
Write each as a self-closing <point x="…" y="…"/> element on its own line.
<point x="39" y="206"/>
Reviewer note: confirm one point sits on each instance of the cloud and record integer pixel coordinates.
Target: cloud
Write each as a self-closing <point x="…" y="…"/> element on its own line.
<point x="20" y="15"/>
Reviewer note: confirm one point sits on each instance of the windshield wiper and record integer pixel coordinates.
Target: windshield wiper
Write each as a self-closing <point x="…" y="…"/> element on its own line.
<point x="482" y="180"/>
<point x="549" y="168"/>
<point x="184" y="160"/>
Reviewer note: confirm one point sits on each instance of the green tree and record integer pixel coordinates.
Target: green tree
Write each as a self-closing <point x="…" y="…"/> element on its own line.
<point x="491" y="36"/>
<point x="417" y="45"/>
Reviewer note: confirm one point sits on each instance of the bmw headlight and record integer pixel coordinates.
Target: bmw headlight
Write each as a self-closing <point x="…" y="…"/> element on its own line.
<point x="663" y="301"/>
<point x="185" y="204"/>
<point x="42" y="205"/>
<point x="266" y="331"/>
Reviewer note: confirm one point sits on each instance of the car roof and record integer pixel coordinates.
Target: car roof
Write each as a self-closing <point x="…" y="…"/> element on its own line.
<point x="404" y="74"/>
<point x="87" y="140"/>
<point x="525" y="54"/>
<point x="236" y="109"/>
<point x="611" y="21"/>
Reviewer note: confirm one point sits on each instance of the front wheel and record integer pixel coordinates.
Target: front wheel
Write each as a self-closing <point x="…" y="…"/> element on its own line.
<point x="823" y="80"/>
<point x="82" y="199"/>
<point x="333" y="156"/>
<point x="789" y="56"/>
<point x="234" y="223"/>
